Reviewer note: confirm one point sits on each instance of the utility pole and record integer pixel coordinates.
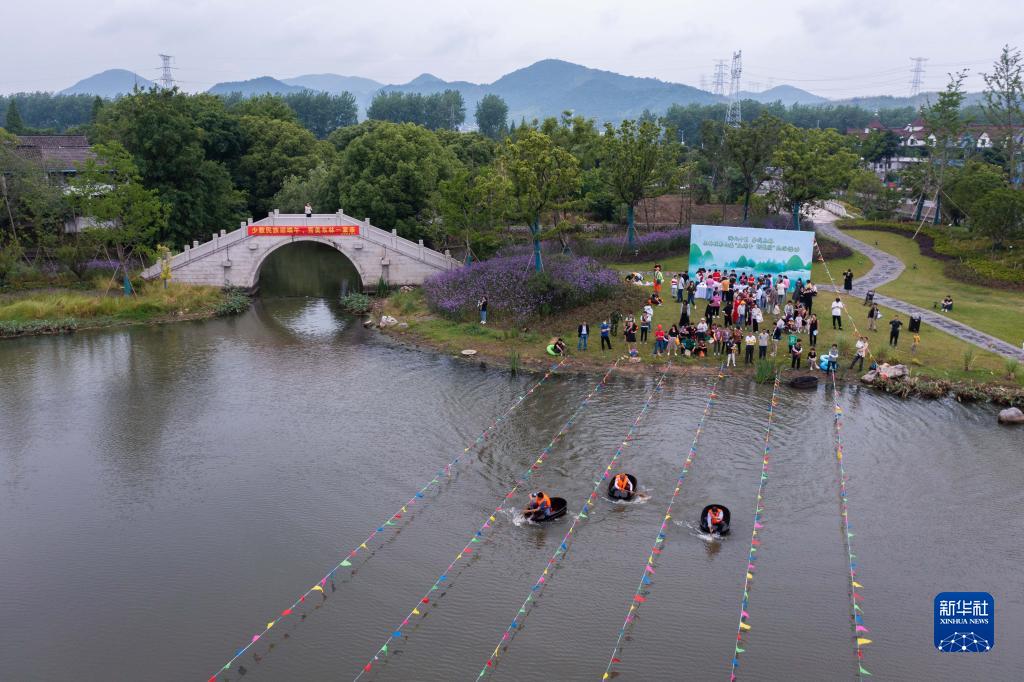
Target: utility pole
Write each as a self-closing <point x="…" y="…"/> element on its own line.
<point x="719" y="81"/>
<point x="733" y="116"/>
<point x="917" y="75"/>
<point x="166" y="77"/>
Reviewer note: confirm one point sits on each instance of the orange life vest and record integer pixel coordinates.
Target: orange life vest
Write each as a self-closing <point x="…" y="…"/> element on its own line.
<point x="716" y="516"/>
<point x="622" y="482"/>
<point x="542" y="501"/>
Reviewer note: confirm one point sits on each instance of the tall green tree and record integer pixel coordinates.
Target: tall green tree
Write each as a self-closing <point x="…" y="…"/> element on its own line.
<point x="274" y="150"/>
<point x="492" y="116"/>
<point x="541" y="175"/>
<point x="1000" y="215"/>
<point x="968" y="185"/>
<point x="880" y="145"/>
<point x="812" y="164"/>
<point x="1004" y="106"/>
<point x="160" y="130"/>
<point x="128" y="217"/>
<point x="631" y="154"/>
<point x="322" y="112"/>
<point x="749" y="149"/>
<point x="13" y="122"/>
<point x="946" y="122"/>
<point x="390" y="173"/>
<point x="473" y="209"/>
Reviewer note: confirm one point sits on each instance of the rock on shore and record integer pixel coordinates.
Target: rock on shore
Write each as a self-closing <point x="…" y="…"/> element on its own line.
<point x="1011" y="415"/>
<point x="887" y="372"/>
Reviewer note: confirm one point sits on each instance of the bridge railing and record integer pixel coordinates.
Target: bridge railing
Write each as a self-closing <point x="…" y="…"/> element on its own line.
<point x="370" y="233"/>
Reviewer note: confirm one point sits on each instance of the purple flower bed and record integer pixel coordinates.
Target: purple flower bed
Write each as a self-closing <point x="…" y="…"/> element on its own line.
<point x="515" y="291"/>
<point x="646" y="245"/>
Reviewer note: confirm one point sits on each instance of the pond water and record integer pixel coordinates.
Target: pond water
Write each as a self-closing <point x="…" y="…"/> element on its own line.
<point x="166" y="491"/>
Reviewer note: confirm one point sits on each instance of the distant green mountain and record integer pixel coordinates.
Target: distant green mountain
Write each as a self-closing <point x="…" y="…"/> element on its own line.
<point x="256" y="86"/>
<point x="110" y="83"/>
<point x="787" y="94"/>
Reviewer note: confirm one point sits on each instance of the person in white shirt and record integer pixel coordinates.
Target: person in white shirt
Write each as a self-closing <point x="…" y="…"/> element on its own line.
<point x="756" y="317"/>
<point x="837" y="313"/>
<point x="750" y="340"/>
<point x="861" y="350"/>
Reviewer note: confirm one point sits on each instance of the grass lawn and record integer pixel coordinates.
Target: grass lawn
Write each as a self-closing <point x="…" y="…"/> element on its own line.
<point x="939" y="356"/>
<point x="62" y="310"/>
<point x="923" y="283"/>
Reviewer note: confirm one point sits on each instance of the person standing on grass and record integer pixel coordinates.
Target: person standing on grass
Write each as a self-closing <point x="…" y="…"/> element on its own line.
<point x="730" y="351"/>
<point x="583" y="331"/>
<point x="756" y="317"/>
<point x="673" y="340"/>
<point x="629" y="331"/>
<point x="645" y="326"/>
<point x="861" y="350"/>
<point x="894" y="330"/>
<point x="837" y="313"/>
<point x="762" y="345"/>
<point x="659" y="279"/>
<point x="606" y="335"/>
<point x="873" y="314"/>
<point x="915" y="345"/>
<point x="674" y="287"/>
<point x="848" y="280"/>
<point x="833" y="358"/>
<point x="482" y="305"/>
<point x="660" y="346"/>
<point x="795" y="352"/>
<point x="748" y="354"/>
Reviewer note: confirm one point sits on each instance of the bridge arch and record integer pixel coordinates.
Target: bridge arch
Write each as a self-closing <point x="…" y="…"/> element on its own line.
<point x="261" y="260"/>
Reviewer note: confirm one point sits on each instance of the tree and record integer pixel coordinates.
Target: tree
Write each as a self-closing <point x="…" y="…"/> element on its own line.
<point x="541" y="174"/>
<point x="274" y="150"/>
<point x="109" y="190"/>
<point x="492" y="116"/>
<point x="13" y="122"/>
<point x="880" y="145"/>
<point x="322" y="112"/>
<point x="945" y="121"/>
<point x="812" y="164"/>
<point x="473" y="209"/>
<point x="265" y="106"/>
<point x="313" y="187"/>
<point x="871" y="196"/>
<point x="1004" y="106"/>
<point x="97" y="107"/>
<point x="631" y="156"/>
<point x="749" y="148"/>
<point x="162" y="131"/>
<point x="968" y="185"/>
<point x="1000" y="215"/>
<point x="390" y="173"/>
<point x="438" y="111"/>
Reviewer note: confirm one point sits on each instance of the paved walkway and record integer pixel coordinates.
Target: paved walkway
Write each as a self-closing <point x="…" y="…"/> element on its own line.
<point x="887" y="268"/>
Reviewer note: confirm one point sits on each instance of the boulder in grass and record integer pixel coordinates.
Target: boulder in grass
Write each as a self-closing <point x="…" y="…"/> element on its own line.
<point x="387" y="321"/>
<point x="1011" y="415"/>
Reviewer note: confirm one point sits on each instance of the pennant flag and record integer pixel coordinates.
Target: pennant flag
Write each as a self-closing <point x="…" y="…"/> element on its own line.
<point x="861" y="641"/>
<point x="317" y="587"/>
<point x="346" y="562"/>
<point x="744" y="626"/>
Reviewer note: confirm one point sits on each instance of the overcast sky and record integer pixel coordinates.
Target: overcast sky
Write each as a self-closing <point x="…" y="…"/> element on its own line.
<point x="835" y="48"/>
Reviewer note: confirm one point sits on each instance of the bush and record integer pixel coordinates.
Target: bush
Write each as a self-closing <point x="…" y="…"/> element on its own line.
<point x="10" y="328"/>
<point x="235" y="302"/>
<point x="515" y="291"/>
<point x="356" y="303"/>
<point x="764" y="372"/>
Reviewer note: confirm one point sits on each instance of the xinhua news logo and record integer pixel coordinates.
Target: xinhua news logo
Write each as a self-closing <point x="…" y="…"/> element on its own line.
<point x="964" y="622"/>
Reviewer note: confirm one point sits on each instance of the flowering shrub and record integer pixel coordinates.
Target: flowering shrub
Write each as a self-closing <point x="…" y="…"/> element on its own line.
<point x="515" y="291"/>
<point x="646" y="245"/>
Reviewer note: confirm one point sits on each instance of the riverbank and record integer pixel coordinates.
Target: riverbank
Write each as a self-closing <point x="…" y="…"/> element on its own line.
<point x="61" y="311"/>
<point x="941" y="365"/>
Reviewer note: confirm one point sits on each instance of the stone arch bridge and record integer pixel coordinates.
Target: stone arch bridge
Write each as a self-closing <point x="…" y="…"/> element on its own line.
<point x="235" y="258"/>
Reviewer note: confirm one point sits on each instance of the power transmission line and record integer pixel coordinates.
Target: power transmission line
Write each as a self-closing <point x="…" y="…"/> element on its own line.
<point x="166" y="77"/>
<point x="733" y="114"/>
<point x="719" y="82"/>
<point x="917" y="75"/>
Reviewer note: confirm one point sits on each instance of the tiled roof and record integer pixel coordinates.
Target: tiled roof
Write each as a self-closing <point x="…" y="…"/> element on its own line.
<point x="56" y="153"/>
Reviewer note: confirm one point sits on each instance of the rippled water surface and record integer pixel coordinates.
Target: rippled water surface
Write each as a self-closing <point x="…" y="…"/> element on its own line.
<point x="166" y="491"/>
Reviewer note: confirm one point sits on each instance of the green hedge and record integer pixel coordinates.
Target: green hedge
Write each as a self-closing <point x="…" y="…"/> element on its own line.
<point x="967" y="255"/>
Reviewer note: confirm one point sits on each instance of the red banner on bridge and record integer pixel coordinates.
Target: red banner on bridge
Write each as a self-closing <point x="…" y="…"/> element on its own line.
<point x="303" y="230"/>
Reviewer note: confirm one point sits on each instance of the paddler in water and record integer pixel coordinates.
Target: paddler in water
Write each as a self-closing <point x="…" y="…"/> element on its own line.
<point x="539" y="507"/>
<point x="715" y="518"/>
<point x="623" y="486"/>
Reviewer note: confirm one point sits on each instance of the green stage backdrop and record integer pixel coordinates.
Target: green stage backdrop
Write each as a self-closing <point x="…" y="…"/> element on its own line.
<point x="752" y="250"/>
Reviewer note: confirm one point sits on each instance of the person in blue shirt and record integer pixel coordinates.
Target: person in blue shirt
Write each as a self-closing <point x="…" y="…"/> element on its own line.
<point x="606" y="335"/>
